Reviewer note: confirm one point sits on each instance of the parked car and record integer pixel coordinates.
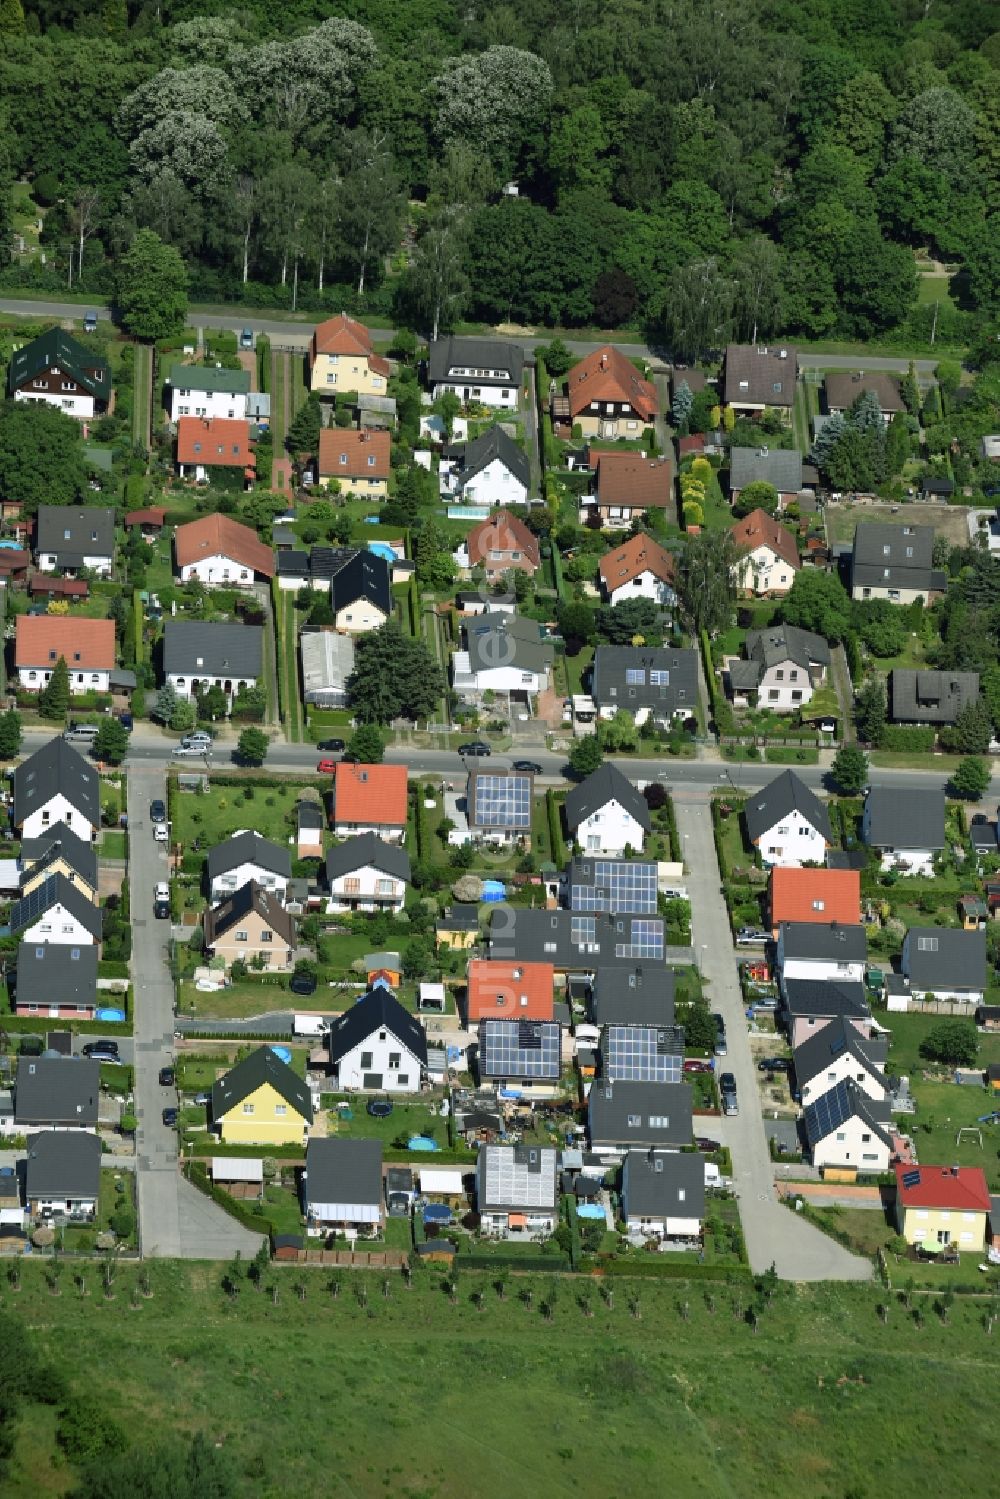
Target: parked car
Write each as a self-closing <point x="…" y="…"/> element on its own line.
<point x="720" y="1036"/>
<point x="102" y="1051"/>
<point x="170" y="1116"/>
<point x="162" y="891"/>
<point x="166" y="1077"/>
<point x="161" y="910"/>
<point x="774" y="1064"/>
<point x="303" y="983"/>
<point x="727" y="1087"/>
<point x="189" y="751"/>
<point x="475" y="747"/>
<point x="379" y="1108"/>
<point x="332" y="746"/>
<point x="157" y="810"/>
<point x="160" y="833"/>
<point x="246" y="338"/>
<point x="198" y="739"/>
<point x="748" y="936"/>
<point x="727" y="1083"/>
<point x="527" y="767"/>
<point x="707" y="1145"/>
<point x="695" y="1064"/>
<point x="90" y="322"/>
<point x="203" y="1098"/>
<point x="326" y="767"/>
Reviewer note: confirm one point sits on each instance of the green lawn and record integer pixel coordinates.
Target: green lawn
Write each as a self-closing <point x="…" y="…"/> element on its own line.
<point x="944" y="1108"/>
<point x="238" y="1002"/>
<point x="223" y="810"/>
<point x="406" y="1119"/>
<point x="910" y="1029"/>
<point x="114" y="844"/>
<point x="117" y="1191"/>
<point x="289" y="690"/>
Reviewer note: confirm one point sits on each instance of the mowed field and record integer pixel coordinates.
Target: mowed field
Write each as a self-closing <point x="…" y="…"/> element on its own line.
<point x="947" y="520"/>
<point x="414" y="1395"/>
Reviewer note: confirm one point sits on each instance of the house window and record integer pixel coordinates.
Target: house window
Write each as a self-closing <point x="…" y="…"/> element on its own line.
<point x="773" y="695"/>
<point x="366" y="1059"/>
<point x="248" y="1108"/>
<point x="681" y="1191"/>
<point x="635" y="676"/>
<point x="395" y="1058"/>
<point x="659" y="679"/>
<point x="779" y="676"/>
<point x="635" y="1121"/>
<point x="404" y="1080"/>
<point x="659" y="1121"/>
<point x="241" y="937"/>
<point x="267" y="936"/>
<point x="841" y="1135"/>
<point x="371" y="462"/>
<point x="385" y="887"/>
<point x="352" y="886"/>
<point x="281" y="1109"/>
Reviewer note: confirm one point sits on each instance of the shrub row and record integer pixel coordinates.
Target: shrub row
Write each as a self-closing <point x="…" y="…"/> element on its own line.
<point x="536" y="1262"/>
<point x="198" y="1175"/>
<point x="662" y="1267"/>
<point x="907" y="738"/>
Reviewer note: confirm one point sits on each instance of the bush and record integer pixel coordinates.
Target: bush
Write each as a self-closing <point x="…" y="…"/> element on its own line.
<point x="906" y="738"/>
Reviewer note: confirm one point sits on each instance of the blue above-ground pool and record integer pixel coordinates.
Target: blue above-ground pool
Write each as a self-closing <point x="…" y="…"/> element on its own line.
<point x="384" y="550"/>
<point x="437" y="1212"/>
<point x="109" y="1015"/>
<point x="282" y="1053"/>
<point x="589" y="1210"/>
<point x="494" y="890"/>
<point x="422" y="1142"/>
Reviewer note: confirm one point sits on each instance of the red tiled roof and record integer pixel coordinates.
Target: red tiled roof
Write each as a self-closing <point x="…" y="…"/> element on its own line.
<point x="760" y="529"/>
<point x="962" y="1188"/>
<point x="221" y="536"/>
<point x="637" y="555"/>
<point x="86" y="644"/>
<point x="342" y="335"/>
<point x="345" y="454"/>
<point x="510" y="990"/>
<point x="816" y="895"/>
<point x="606" y="375"/>
<point x="73" y="588"/>
<point x="502" y="532"/>
<point x="693" y="443"/>
<point x="214" y="442"/>
<point x="372" y="795"/>
<point x="630" y="479"/>
<point x="153" y="515"/>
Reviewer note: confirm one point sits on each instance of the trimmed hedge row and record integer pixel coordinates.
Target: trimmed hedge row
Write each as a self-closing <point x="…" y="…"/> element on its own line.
<point x="198" y="1175"/>
<point x="535" y="1262"/>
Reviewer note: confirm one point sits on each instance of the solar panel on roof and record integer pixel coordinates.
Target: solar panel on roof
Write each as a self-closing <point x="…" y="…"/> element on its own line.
<point x="33" y="905"/>
<point x="519" y="1048"/>
<point x="645" y="940"/>
<point x="911" y="1178"/>
<point x="501" y="801"/>
<point x="623" y="886"/>
<point x="637" y="1054"/>
<point x="828" y="1113"/>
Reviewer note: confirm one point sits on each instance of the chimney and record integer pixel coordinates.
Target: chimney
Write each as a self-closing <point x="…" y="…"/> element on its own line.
<point x="604" y="361"/>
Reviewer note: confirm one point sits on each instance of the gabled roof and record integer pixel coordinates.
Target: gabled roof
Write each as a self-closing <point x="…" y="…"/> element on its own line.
<point x="930" y="696"/>
<point x="780" y="643"/>
<point x="479" y="355"/>
<point x="606" y="784"/>
<point x="260" y="1067"/>
<point x="379" y="1009"/>
<point x="516" y="1176"/>
<point x="781" y="467"/>
<point x="577" y="943"/>
<point x="606" y="375"/>
<point x="214" y="442"/>
<point x="664" y="1184"/>
<point x="758" y="376"/>
<point x="844" y="386"/>
<point x="509" y="990"/>
<point x="209" y="378"/>
<point x="56" y="843"/>
<point x="641" y="676"/>
<point x="638" y="995"/>
<point x="249" y="848"/>
<point x="72" y="533"/>
<point x="364" y="576"/>
<point x="826" y="998"/>
<point x="898" y="817"/>
<point x="760" y="529"/>
<point x="823" y="941"/>
<point x="373" y="794"/>
<point x="345" y="453"/>
<point x="250" y="897"/>
<point x="344" y="1171"/>
<point x="632" y="480"/>
<point x="525" y="1049"/>
<point x="842" y="1102"/>
<point x="811" y="895"/>
<point x="152" y="515"/>
<point x="960" y="1189"/>
<point x="895" y="556"/>
<point x="604" y="882"/>
<point x="56" y="770"/>
<point x="785" y="794"/>
<point x="819" y="1051"/>
<point x="943" y="958"/>
<point x="63" y="1163"/>
<point x="59" y="349"/>
<point x="367" y="850"/>
<point x="55" y="890"/>
<point x="212" y="648"/>
<point x="493" y="444"/>
<point x="327" y="660"/>
<point x="57" y="1090"/>
<point x="220" y="536"/>
<point x="50" y="969"/>
<point x="344" y="335"/>
<point x="495" y="639"/>
<point x="502" y="532"/>
<point x="640" y="554"/>
<point x="84" y="644"/>
<point x="640" y="1114"/>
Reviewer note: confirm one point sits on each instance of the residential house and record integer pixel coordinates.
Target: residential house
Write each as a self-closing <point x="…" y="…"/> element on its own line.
<point x="848" y="1130"/>
<point x="218" y="653"/>
<point x="57" y="785"/>
<point x="86" y="645"/>
<point x="458" y="928"/>
<point x="638" y="1116"/>
<point x="769" y="556"/>
<point x="216" y="447"/>
<point x="342" y="359"/>
<point x="618" y="887"/>
<point x="759" y="379"/>
<point x="342" y="1187"/>
<point x="252" y="925"/>
<point x="11" y="1206"/>
<point x="507" y="989"/>
<point x="811" y="950"/>
<point x="843" y="387"/>
<point x="784" y="666"/>
<point x="638" y="569"/>
<point x="895" y="562"/>
<point x="906" y="827"/>
<point x="504" y="653"/>
<point x="942" y="1206"/>
<point x="930" y="697"/>
<point x="491" y="469"/>
<point x="499" y="805"/>
<point x="361" y="594"/>
<point x="221" y="552"/>
<point x="636" y="995"/>
<point x="608" y="397"/>
<point x="367" y="874"/>
<point x="56" y="980"/>
<point x="248" y="856"/>
<point x="262" y="1101"/>
<point x="150" y="521"/>
<point x="808" y="1005"/>
<point x="63" y="1176"/>
<point x="309" y="824"/>
<point x="643" y="1054"/>
<point x="327" y="663"/>
<point x="814" y="895"/>
<point x="378" y="1046"/>
<point x="840" y="1053"/>
<point x="579" y="944"/>
<point x="206" y="391"/>
<point x="663" y="1194"/>
<point x="480" y="371"/>
<point x="780" y="467"/>
<point x="629" y="486"/>
<point x="606" y="814"/>
<point x="517" y="1190"/>
<point x="57" y="1093"/>
<point x="787" y="823"/>
<point x="59" y="851"/>
<point x="57" y="370"/>
<point x="370" y="799"/>
<point x="358" y="461"/>
<point x="500" y="544"/>
<point x="56" y="911"/>
<point x="69" y="538"/>
<point x="945" y="963"/>
<point x="653" y="683"/>
<point x="520" y="1057"/>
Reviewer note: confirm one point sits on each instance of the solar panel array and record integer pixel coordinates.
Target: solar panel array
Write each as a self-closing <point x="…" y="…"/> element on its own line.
<point x="828" y="1113"/>
<point x="911" y="1178"/>
<point x="519" y="1048"/>
<point x="501" y="801"/>
<point x="640" y="1054"/>
<point x="620" y="886"/>
<point x="646" y="941"/>
<point x="30" y="907"/>
<point x="520" y="1178"/>
<point x="582" y="930"/>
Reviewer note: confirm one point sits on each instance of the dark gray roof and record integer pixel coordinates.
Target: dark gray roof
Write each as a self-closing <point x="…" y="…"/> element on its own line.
<point x="845" y="1101"/>
<point x="844" y="386"/>
<point x="821" y="998"/>
<point x="931" y="696"/>
<point x="753" y="371"/>
<point x="578" y="943"/>
<point x="936" y="957"/>
<point x="607" y="783"/>
<point x="260" y="1067"/>
<point x="495" y="639"/>
<point x="378" y="1009"/>
<point x="293" y="564"/>
<point x="90" y="528"/>
<point x="613" y="1106"/>
<point x="781" y="467"/>
<point x="364" y="576"/>
<point x="597" y="882"/>
<point x="347" y="1171"/>
<point x="785" y="794"/>
<point x="528" y="1049"/>
<point x="57" y="349"/>
<point x="674" y="690"/>
<point x="637" y="995"/>
<point x="63" y="1163"/>
<point x="326" y="562"/>
<point x="447" y="354"/>
<point x="249" y="848"/>
<point x="653" y="1182"/>
<point x="57" y="769"/>
<point x="56" y="889"/>
<point x="364" y="850"/>
<point x="834" y="942"/>
<point x="643" y="1053"/>
<point x="249" y="897"/>
<point x="60" y="842"/>
<point x="898" y="817"/>
<point x="57" y="1090"/>
<point x="780" y="643"/>
<point x="194" y="648"/>
<point x="894" y="556"/>
<point x="55" y="971"/>
<point x="846" y="858"/>
<point x="819" y="1051"/>
<point x="495" y="443"/>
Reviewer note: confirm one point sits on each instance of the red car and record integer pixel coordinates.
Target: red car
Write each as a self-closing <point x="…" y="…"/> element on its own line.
<point x="692" y="1064"/>
<point x="326" y="767"/>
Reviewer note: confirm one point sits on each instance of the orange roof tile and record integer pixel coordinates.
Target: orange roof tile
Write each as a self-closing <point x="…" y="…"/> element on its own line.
<point x="817" y="895"/>
<point x="153" y="515"/>
<point x="86" y="644"/>
<point x="510" y="991"/>
<point x="630" y="479"/>
<point x="760" y="529"/>
<point x="960" y="1188"/>
<point x="342" y="335"/>
<point x="638" y="555"/>
<point x="606" y="375"/>
<point x="370" y="795"/>
<point x="221" y="536"/>
<point x="214" y="442"/>
<point x="345" y="454"/>
<point x="502" y="532"/>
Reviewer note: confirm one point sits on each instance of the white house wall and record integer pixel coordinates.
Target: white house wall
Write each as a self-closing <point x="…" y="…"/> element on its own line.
<point x="229" y="405"/>
<point x="792" y="842"/>
<point x="218" y="570"/>
<point x="57" y="809"/>
<point x="610" y="830"/>
<point x="224" y="885"/>
<point x="34" y="678"/>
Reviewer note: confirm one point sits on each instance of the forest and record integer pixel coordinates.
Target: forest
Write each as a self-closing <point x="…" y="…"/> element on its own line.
<point x="696" y="172"/>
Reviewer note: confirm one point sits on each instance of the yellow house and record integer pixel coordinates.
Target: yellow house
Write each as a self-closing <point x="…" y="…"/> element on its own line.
<point x="943" y="1206"/>
<point x="359" y="462"/>
<point x="341" y="358"/>
<point x="59" y="851"/>
<point x="261" y="1101"/>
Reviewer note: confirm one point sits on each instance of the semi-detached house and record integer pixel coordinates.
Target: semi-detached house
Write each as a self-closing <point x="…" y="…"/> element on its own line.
<point x="480" y="371"/>
<point x="207" y="392"/>
<point x="200" y="654"/>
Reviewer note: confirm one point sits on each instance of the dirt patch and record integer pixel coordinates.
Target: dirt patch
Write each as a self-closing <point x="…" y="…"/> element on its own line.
<point x="248" y="361"/>
<point x="948" y="520"/>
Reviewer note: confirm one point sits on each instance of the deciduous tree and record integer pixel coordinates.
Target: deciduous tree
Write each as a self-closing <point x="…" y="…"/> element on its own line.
<point x="252" y="746"/>
<point x="850" y="769"/>
<point x="152" y="286"/>
<point x="704" y="584"/>
<point x="818" y="601"/>
<point x="971" y="779"/>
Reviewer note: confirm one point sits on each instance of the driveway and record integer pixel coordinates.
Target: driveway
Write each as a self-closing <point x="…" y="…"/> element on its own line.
<point x="772" y="1232"/>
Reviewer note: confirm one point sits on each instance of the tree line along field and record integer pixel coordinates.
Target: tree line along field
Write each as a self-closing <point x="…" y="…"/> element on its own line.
<point x="431" y="1397"/>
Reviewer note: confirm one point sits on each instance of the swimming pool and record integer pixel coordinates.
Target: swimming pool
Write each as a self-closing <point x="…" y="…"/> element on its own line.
<point x="109" y="1015"/>
<point x="422" y="1142"/>
<point x="282" y="1053"/>
<point x="494" y="890"/>
<point x="589" y="1210"/>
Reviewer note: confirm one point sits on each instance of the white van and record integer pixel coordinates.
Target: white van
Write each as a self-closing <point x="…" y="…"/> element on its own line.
<point x="81" y="733"/>
<point x="310" y="1025"/>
